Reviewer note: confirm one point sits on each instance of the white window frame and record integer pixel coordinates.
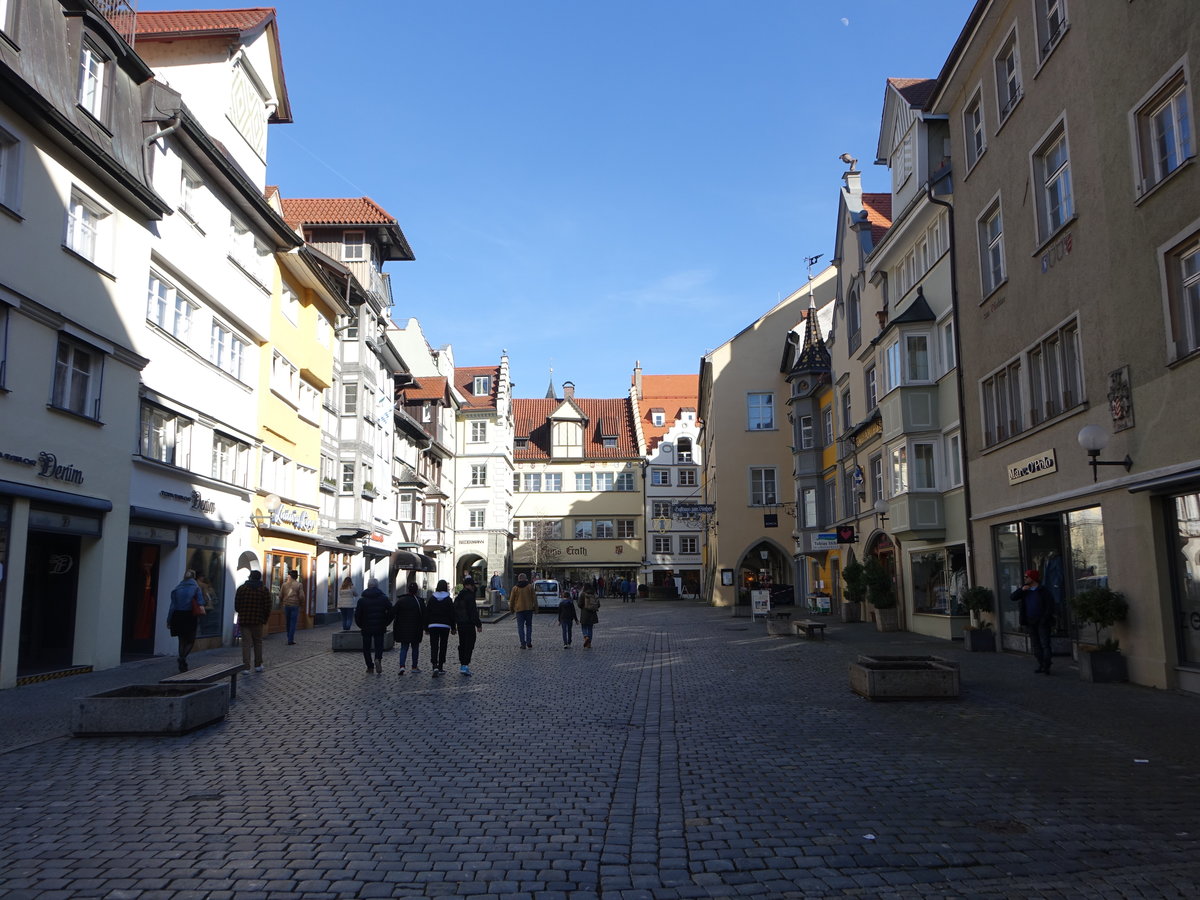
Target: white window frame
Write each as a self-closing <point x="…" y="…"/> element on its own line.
<point x="1055" y="372"/>
<point x="1001" y="399"/>
<point x="583" y="481"/>
<point x="1179" y="272"/>
<point x="760" y="411"/>
<point x="76" y="388"/>
<point x="764" y="486"/>
<point x="683" y="450"/>
<point x="227" y="350"/>
<point x="624" y="481"/>
<point x="1055" y="206"/>
<point x="93" y="74"/>
<point x="477" y="518"/>
<point x="346" y="485"/>
<point x="993" y="268"/>
<point x="871" y="385"/>
<point x="954" y="467"/>
<point x="626" y="530"/>
<point x="88" y="223"/>
<point x="481" y="386"/>
<point x="878" y="488"/>
<point x="532" y="482"/>
<point x="479" y="475"/>
<point x="354" y="250"/>
<point x="974" y="130"/>
<point x="552" y="482"/>
<point x="285" y="379"/>
<point x="191" y="195"/>
<point x="605" y="481"/>
<point x="808" y="438"/>
<point x="605" y="530"/>
<point x="1008" y="77"/>
<point x="687" y="478"/>
<point x="168" y="308"/>
<point x="827" y="424"/>
<point x="289" y="304"/>
<point x="11" y="158"/>
<point x="898" y="470"/>
<point x="658" y="418"/>
<point x="1171" y="96"/>
<point x="660" y="477"/>
<point x="946" y="339"/>
<point x="660" y="509"/>
<point x="478" y="433"/>
<point x="1050" y="17"/>
<point x="689" y="545"/>
<point x="165" y="435"/>
<point x="583" y="530"/>
<point x="807" y="507"/>
<point x="230" y="459"/>
<point x="663" y="544"/>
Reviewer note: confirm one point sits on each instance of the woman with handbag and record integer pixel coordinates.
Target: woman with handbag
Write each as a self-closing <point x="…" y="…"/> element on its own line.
<point x="187" y="606"/>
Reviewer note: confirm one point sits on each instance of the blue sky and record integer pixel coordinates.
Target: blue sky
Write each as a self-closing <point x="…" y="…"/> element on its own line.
<point x="586" y="184"/>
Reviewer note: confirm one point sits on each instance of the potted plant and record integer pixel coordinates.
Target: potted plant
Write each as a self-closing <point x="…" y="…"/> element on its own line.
<point x="978" y="634"/>
<point x="881" y="594"/>
<point x="1102" y="607"/>
<point x="854" y="591"/>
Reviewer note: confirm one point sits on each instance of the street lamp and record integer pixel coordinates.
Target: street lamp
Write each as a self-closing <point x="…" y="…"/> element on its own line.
<point x="1093" y="439"/>
<point x="881" y="508"/>
<point x="273" y="503"/>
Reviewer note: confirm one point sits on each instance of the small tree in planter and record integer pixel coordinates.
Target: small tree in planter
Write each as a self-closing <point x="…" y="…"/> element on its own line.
<point x="881" y="594"/>
<point x="1102" y="607"/>
<point x="854" y="590"/>
<point x="978" y="635"/>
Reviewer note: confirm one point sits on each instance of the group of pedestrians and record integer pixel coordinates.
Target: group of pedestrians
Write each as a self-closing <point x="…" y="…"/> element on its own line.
<point x="625" y="588"/>
<point x="412" y="618"/>
<point x="589" y="615"/>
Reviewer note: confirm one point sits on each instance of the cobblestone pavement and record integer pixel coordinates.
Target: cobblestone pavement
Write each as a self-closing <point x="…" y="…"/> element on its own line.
<point x="687" y="755"/>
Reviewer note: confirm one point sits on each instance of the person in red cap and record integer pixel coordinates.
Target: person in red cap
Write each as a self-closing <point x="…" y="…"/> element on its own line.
<point x="1036" y="615"/>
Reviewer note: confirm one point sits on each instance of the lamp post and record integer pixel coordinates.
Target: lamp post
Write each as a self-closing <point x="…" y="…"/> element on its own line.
<point x="881" y="508"/>
<point x="1094" y="439"/>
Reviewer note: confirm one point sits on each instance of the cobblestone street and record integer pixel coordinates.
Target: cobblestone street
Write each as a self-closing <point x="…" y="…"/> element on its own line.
<point x="687" y="755"/>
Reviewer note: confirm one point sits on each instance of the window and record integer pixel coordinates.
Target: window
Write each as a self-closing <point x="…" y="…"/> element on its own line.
<point x="168" y="308"/>
<point x="892" y="375"/>
<point x="624" y="481"/>
<point x="347" y="478"/>
<point x="481" y="386"/>
<point x="949" y="358"/>
<point x="762" y="486"/>
<point x="285" y="379"/>
<point x="277" y="473"/>
<point x="478" y="475"/>
<point x="923" y="473"/>
<point x="954" y="460"/>
<point x="870" y="376"/>
<point x="77" y="376"/>
<point x="350" y="398"/>
<point x="830" y="501"/>
<point x="583" y="529"/>
<point x="426" y="412"/>
<point x="552" y="481"/>
<point x="10" y="163"/>
<point x="847" y="410"/>
<point x="604" y="481"/>
<point x="583" y="481"/>
<point x="85" y="227"/>
<point x="354" y="245"/>
<point x="808" y="508"/>
<point x="1181" y="269"/>
<point x="938" y="577"/>
<point x="431" y="517"/>
<point x="191" y="190"/>
<point x="916" y="357"/>
<point x="92" y="66"/>
<point x="476" y="517"/>
<point x="662" y="543"/>
<point x="827" y="424"/>
<point x="289" y="305"/>
<point x="689" y="545"/>
<point x="478" y="432"/>
<point x="658" y="418"/>
<point x="165" y="436"/>
<point x="625" y="530"/>
<point x="660" y="509"/>
<point x="1054" y="373"/>
<point x="310" y="402"/>
<point x="854" y="319"/>
<point x="1163" y="130"/>
<point x="687" y="477"/>
<point x="608" y="441"/>
<point x="899" y="470"/>
<point x="1008" y="76"/>
<point x="876" y="466"/>
<point x="973" y="130"/>
<point x="683" y="450"/>
<point x="849" y="494"/>
<point x="533" y="482"/>
<point x="604" y="529"/>
<point x="1002" y="404"/>
<point x="1052" y="175"/>
<point x="230" y="459"/>
<point x="991" y="248"/>
<point x="807" y="436"/>
<point x="660" y="477"/>
<point x="1051" y="18"/>
<point x="760" y="412"/>
<point x="251" y="255"/>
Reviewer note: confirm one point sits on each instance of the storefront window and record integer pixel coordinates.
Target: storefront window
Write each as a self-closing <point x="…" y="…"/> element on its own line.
<point x="278" y="566"/>
<point x="1187" y="575"/>
<point x="206" y="555"/>
<point x="1085" y="529"/>
<point x="938" y="578"/>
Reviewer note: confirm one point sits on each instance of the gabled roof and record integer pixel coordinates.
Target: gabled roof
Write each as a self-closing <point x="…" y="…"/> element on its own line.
<point x="347" y="211"/>
<point x="612" y="417"/>
<point x="427" y="387"/>
<point x="670" y="394"/>
<point x="879" y="213"/>
<point x="240" y="24"/>
<point x="464" y="380"/>
<point x="915" y="90"/>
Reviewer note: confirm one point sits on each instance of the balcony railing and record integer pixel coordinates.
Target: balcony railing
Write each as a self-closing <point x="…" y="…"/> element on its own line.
<point x="122" y="15"/>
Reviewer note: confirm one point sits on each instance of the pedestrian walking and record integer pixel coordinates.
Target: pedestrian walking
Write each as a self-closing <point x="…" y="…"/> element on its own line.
<point x="440" y="626"/>
<point x="187" y="606"/>
<point x="408" y="626"/>
<point x="497" y="585"/>
<point x="346" y="602"/>
<point x="589" y="615"/>
<point x="1036" y="614"/>
<point x="252" y="603"/>
<point x="468" y="623"/>
<point x="567" y="619"/>
<point x="523" y="603"/>
<point x="291" y="598"/>
<point x="373" y="615"/>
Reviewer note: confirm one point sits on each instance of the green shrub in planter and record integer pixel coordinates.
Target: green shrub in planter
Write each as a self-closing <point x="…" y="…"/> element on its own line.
<point x="1102" y="607"/>
<point x="880" y="591"/>
<point x="978" y="600"/>
<point x="854" y="584"/>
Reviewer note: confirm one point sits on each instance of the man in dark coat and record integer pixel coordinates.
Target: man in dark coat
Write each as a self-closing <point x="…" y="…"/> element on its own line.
<point x="1036" y="613"/>
<point x="467" y="622"/>
<point x="373" y="615"/>
<point x="252" y="603"/>
<point x="409" y="625"/>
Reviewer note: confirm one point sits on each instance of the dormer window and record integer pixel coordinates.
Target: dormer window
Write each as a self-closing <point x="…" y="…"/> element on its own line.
<point x="609" y="441"/>
<point x="354" y="246"/>
<point x="92" y="65"/>
<point x="683" y="449"/>
<point x="520" y="443"/>
<point x="658" y="418"/>
<point x="482" y="386"/>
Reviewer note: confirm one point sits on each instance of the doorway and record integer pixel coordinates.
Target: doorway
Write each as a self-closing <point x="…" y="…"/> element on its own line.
<point x="141" y="601"/>
<point x="48" y="603"/>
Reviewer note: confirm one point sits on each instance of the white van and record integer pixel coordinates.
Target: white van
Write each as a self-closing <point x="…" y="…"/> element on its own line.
<point x="547" y="594"/>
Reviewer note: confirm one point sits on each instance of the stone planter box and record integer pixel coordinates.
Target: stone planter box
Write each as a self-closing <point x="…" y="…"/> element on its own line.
<point x="851" y="611"/>
<point x="352" y="641"/>
<point x="887" y="619"/>
<point x="904" y="678"/>
<point x="1103" y="666"/>
<point x="779" y="624"/>
<point x="979" y="640"/>
<point x="151" y="709"/>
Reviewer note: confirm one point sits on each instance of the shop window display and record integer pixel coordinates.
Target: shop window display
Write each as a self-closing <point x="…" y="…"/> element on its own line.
<point x="939" y="578"/>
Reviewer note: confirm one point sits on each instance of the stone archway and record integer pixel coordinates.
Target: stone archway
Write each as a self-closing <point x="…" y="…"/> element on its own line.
<point x="474" y="565"/>
<point x="765" y="565"/>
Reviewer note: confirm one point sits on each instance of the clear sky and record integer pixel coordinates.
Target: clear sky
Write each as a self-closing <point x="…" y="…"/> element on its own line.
<point x="586" y="184"/>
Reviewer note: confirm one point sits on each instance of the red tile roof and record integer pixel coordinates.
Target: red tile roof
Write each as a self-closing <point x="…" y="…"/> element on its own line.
<point x="427" y="387"/>
<point x="670" y="393"/>
<point x="464" y="380"/>
<point x="879" y="214"/>
<point x="915" y="90"/>
<point x="605" y="417"/>
<point x="335" y="211"/>
<point x="200" y="22"/>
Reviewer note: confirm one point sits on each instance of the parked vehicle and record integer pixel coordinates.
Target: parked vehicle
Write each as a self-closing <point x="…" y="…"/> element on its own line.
<point x="548" y="594"/>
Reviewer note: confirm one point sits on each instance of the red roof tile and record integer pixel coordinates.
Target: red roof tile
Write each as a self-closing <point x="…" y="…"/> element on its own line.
<point x="200" y="22"/>
<point x="335" y="211"/>
<point x="428" y="387"/>
<point x="915" y="90"/>
<point x="464" y="380"/>
<point x="670" y="393"/>
<point x="605" y="417"/>
<point x="879" y="214"/>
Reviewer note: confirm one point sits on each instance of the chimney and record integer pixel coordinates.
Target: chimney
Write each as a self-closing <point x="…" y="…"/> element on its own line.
<point x="637" y="379"/>
<point x="568" y="390"/>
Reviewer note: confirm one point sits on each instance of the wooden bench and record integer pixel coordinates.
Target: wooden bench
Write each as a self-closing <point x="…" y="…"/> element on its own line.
<point x="207" y="675"/>
<point x="810" y="628"/>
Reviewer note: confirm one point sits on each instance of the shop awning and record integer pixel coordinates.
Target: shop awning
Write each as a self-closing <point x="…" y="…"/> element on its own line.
<point x="428" y="564"/>
<point x="405" y="559"/>
<point x="249" y="560"/>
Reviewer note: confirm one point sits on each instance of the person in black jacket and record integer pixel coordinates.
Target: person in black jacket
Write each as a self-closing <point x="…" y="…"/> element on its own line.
<point x="1036" y="615"/>
<point x="409" y="625"/>
<point x="466" y="618"/>
<point x="439" y="626"/>
<point x="373" y="615"/>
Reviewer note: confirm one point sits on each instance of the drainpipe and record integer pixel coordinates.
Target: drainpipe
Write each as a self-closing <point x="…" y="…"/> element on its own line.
<point x="962" y="406"/>
<point x="173" y="125"/>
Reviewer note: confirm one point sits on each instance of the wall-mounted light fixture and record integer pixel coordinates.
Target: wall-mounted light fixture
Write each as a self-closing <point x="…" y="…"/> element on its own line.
<point x="273" y="503"/>
<point x="1093" y="439"/>
<point x="881" y="508"/>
